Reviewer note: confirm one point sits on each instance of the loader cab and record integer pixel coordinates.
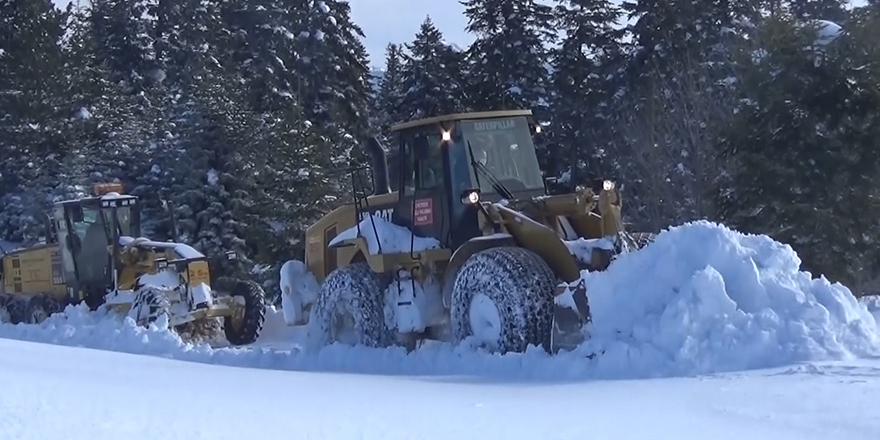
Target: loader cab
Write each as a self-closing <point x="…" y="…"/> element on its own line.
<point x="86" y="228"/>
<point x="439" y="162"/>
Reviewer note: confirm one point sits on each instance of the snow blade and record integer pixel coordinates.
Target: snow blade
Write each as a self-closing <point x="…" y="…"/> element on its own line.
<point x="571" y="316"/>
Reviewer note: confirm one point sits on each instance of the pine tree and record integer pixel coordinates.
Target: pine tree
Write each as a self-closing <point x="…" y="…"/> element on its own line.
<point x="125" y="42"/>
<point x="430" y="82"/>
<point x="804" y="145"/>
<point x="679" y="90"/>
<point x="33" y="115"/>
<point x="585" y="73"/>
<point x="508" y="58"/>
<point x="389" y="97"/>
<point x="807" y="10"/>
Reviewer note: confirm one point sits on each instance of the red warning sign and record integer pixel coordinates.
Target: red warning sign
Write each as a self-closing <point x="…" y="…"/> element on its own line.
<point x="424" y="212"/>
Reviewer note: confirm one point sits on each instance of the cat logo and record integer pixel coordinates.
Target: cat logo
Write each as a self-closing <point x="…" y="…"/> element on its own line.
<point x="384" y="214"/>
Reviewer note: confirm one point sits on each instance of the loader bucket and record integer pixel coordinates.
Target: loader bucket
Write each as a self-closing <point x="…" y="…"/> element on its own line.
<point x="571" y="315"/>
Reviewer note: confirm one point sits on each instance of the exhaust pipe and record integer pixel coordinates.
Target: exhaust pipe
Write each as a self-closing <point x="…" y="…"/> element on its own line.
<point x="380" y="166"/>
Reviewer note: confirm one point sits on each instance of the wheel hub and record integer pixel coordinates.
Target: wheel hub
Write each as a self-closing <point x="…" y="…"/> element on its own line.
<point x="485" y="321"/>
<point x="343" y="325"/>
<point x="237" y="320"/>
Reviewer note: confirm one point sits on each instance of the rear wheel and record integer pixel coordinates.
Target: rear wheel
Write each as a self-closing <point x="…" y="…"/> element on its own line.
<point x="244" y="327"/>
<point x="503" y="300"/>
<point x="350" y="308"/>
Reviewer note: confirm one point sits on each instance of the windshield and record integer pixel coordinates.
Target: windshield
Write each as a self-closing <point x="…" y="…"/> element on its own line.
<point x="505" y="147"/>
<point x="123" y="215"/>
<point x="89" y="218"/>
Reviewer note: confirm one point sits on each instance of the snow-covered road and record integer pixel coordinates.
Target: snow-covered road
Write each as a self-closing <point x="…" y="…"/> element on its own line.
<point x="718" y="335"/>
<point x="55" y="392"/>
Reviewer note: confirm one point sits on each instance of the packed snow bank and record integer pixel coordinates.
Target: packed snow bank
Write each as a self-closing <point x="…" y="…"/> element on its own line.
<point x="700" y="299"/>
<point x="703" y="298"/>
<point x="298" y="288"/>
<point x="872" y="303"/>
<point x="391" y="237"/>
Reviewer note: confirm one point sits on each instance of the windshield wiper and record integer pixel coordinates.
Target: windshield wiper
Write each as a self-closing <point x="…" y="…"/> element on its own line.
<point x="496" y="184"/>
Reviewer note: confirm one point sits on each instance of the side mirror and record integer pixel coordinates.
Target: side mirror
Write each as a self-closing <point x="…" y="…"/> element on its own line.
<point x="232" y="255"/>
<point x="421" y="149"/>
<point x="161" y="263"/>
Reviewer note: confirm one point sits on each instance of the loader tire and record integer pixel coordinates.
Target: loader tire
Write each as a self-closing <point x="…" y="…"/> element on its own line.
<point x="350" y="308"/>
<point x="149" y="304"/>
<point x="39" y="308"/>
<point x="503" y="297"/>
<point x="246" y="329"/>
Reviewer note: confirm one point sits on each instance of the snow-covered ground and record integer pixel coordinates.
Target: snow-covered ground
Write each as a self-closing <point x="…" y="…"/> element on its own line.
<point x="705" y="333"/>
<point x="52" y="392"/>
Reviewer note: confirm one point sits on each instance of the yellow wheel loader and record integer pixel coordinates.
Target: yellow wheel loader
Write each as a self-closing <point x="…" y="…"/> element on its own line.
<point x="462" y="243"/>
<point x="94" y="254"/>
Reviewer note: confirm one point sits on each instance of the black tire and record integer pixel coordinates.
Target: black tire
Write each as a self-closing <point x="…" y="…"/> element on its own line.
<point x="248" y="329"/>
<point x="149" y="304"/>
<point x="39" y="308"/>
<point x="519" y="284"/>
<point x="355" y="291"/>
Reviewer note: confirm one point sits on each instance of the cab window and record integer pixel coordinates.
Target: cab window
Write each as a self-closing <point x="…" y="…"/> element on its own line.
<point x="431" y="168"/>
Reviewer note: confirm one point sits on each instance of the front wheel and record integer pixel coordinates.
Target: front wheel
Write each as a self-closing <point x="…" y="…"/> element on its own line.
<point x="502" y="299"/>
<point x="245" y="325"/>
<point x="350" y="308"/>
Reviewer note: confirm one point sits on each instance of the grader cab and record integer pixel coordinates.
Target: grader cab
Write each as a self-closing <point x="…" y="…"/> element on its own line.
<point x="462" y="243"/>
<point x="94" y="254"/>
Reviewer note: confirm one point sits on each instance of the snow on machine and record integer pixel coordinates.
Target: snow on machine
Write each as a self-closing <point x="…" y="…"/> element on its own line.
<point x="463" y="243"/>
<point x="91" y="255"/>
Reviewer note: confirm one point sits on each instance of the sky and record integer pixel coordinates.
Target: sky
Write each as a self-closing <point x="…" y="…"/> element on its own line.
<point x="398" y="21"/>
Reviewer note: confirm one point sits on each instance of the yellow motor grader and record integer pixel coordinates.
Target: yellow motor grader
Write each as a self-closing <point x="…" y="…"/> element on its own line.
<point x="94" y="255"/>
<point x="462" y="244"/>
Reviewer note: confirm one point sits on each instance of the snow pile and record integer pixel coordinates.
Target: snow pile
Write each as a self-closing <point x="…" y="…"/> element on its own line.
<point x="703" y="298"/>
<point x="102" y="330"/>
<point x="700" y="299"/>
<point x="872" y="303"/>
<point x="298" y="288"/>
<point x="392" y="238"/>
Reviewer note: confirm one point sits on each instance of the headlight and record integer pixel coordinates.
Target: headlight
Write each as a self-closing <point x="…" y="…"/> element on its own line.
<point x="608" y="185"/>
<point x="471" y="197"/>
